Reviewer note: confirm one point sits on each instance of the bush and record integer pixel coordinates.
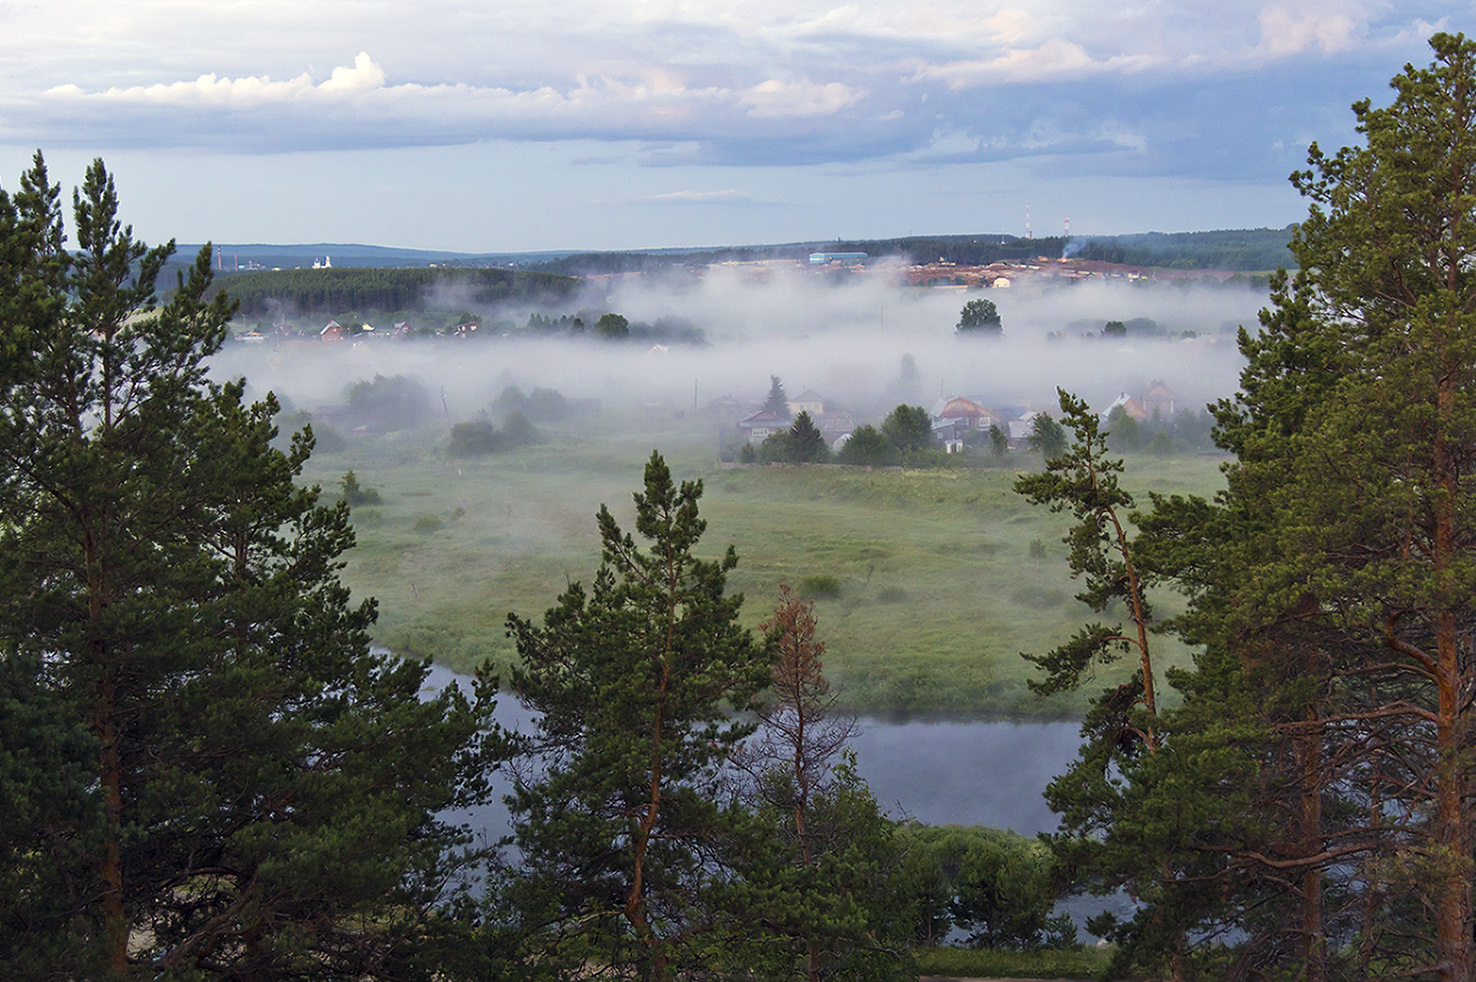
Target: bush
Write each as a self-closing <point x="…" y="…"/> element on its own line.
<point x="390" y="403"/>
<point x="997" y="885"/>
<point x="475" y="439"/>
<point x="867" y="447"/>
<point x="427" y="524"/>
<point x="820" y="586"/>
<point x="1161" y="445"/>
<point x="355" y="494"/>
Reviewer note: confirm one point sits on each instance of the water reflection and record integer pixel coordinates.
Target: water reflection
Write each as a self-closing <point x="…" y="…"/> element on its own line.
<point x="938" y="771"/>
<point x="968" y="772"/>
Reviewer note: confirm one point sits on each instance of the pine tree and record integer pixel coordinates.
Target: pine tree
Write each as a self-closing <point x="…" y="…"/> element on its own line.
<point x="241" y="786"/>
<point x="1333" y="580"/>
<point x="1122" y="729"/>
<point x="776" y="402"/>
<point x="625" y="846"/>
<point x="806" y="445"/>
<point x="1373" y="505"/>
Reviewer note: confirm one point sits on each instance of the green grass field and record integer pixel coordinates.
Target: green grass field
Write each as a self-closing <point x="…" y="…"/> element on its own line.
<point x="937" y="592"/>
<point x="982" y="963"/>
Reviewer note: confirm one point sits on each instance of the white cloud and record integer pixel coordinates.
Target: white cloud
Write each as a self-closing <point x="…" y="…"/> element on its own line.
<point x="1286" y="31"/>
<point x="240" y="93"/>
<point x="364" y="75"/>
<point x="777" y="99"/>
<point x="1054" y="60"/>
<point x="730" y="196"/>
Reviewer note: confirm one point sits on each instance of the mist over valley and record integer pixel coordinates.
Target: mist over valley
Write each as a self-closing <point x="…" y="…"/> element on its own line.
<point x="932" y="590"/>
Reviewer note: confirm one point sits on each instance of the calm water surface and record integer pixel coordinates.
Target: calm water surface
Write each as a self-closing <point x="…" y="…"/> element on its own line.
<point x="938" y="771"/>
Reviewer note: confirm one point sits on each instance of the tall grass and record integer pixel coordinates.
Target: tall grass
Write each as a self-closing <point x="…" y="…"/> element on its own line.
<point x="931" y="590"/>
<point x="967" y="963"/>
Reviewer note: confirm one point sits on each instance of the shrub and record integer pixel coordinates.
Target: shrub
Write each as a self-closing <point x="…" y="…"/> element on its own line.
<point x="476" y="438"/>
<point x="390" y="403"/>
<point x="355" y="494"/>
<point x="819" y="586"/>
<point x="427" y="524"/>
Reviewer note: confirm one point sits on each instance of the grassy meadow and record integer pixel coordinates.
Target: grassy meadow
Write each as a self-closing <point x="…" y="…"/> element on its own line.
<point x="926" y="590"/>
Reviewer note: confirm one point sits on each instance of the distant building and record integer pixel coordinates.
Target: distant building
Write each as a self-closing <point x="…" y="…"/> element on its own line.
<point x="1130" y="407"/>
<point x="808" y="401"/>
<point x="821" y="258"/>
<point x="1159" y="398"/>
<point x="760" y="425"/>
<point x="725" y="407"/>
<point x="968" y="412"/>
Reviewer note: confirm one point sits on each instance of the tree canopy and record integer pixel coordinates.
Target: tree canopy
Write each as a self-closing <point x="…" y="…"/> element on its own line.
<point x="909" y="428"/>
<point x="211" y="793"/>
<point x="776" y="402"/>
<point x="979" y="315"/>
<point x="620" y="830"/>
<point x="1311" y="794"/>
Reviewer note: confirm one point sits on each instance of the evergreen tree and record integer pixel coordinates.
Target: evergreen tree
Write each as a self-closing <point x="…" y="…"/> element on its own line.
<point x="626" y="849"/>
<point x="806" y="445"/>
<point x="776" y="402"/>
<point x="999" y="441"/>
<point x="1122" y="727"/>
<point x="1333" y="581"/>
<point x="240" y="788"/>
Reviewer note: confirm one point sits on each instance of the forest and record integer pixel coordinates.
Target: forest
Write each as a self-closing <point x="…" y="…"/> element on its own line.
<point x="292" y="292"/>
<point x="207" y="772"/>
<point x="1243" y="250"/>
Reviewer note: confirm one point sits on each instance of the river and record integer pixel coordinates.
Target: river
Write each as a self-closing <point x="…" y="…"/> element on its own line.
<point x="937" y="770"/>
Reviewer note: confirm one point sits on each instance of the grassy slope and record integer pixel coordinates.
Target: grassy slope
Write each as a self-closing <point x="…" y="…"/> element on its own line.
<point x="938" y="593"/>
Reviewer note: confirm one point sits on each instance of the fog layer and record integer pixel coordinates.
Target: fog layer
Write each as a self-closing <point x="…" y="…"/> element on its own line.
<point x="846" y="340"/>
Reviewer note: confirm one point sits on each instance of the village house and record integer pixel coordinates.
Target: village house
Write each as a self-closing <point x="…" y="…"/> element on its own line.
<point x="968" y="413"/>
<point x="760" y="425"/>
<point x="1159" y="398"/>
<point x="808" y="401"/>
<point x="1130" y="407"/>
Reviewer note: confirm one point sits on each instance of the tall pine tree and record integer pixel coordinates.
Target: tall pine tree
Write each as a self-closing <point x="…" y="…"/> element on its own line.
<point x="241" y="788"/>
<point x="625" y="843"/>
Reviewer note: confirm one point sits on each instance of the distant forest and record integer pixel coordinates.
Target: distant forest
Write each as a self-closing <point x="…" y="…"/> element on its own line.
<point x="1241" y="250"/>
<point x="329" y="291"/>
<point x="1257" y="249"/>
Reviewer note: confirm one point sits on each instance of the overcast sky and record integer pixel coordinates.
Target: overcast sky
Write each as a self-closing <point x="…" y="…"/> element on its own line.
<point x="501" y="125"/>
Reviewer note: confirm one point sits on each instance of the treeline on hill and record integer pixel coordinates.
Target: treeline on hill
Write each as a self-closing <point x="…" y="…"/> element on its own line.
<point x="1242" y="250"/>
<point x="326" y="291"/>
<point x="962" y="250"/>
<point x="971" y="250"/>
<point x="597" y="263"/>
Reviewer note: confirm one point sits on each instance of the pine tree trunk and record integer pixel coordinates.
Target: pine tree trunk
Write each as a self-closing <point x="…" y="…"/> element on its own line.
<point x="1314" y="942"/>
<point x="1453" y="917"/>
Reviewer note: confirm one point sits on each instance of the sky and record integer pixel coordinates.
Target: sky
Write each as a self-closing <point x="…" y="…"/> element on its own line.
<point x="514" y="125"/>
